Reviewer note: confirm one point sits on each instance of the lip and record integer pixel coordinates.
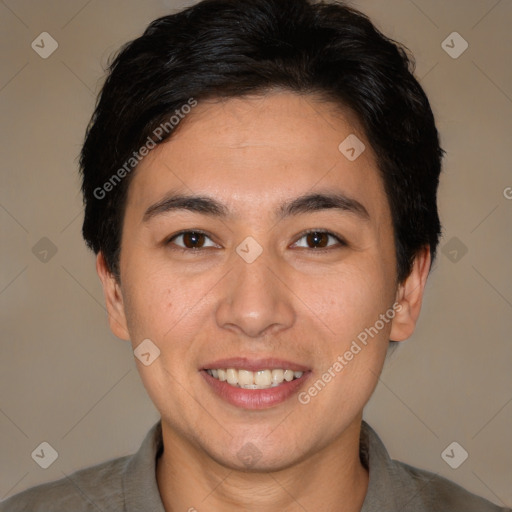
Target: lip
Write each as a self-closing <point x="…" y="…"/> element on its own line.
<point x="254" y="365"/>
<point x="254" y="399"/>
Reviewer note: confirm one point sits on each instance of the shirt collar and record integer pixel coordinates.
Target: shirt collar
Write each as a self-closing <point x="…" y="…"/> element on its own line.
<point x="139" y="482"/>
<point x="375" y="458"/>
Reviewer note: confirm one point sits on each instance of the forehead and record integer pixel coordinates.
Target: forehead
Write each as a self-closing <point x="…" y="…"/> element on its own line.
<point x="252" y="153"/>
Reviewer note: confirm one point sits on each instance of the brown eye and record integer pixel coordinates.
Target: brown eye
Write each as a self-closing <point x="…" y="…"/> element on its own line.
<point x="318" y="239"/>
<point x="191" y="240"/>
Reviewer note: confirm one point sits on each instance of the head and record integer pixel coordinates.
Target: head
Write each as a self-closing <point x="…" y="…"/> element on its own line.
<point x="220" y="120"/>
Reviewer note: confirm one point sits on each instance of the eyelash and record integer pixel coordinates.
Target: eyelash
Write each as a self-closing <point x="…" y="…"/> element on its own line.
<point x="340" y="240"/>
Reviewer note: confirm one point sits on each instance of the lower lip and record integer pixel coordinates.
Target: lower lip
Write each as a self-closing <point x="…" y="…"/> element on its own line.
<point x="254" y="398"/>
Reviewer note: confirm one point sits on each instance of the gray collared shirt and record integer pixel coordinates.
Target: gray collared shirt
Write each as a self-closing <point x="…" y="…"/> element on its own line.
<point x="129" y="484"/>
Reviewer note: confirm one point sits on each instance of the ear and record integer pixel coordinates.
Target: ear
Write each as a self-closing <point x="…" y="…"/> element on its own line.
<point x="113" y="299"/>
<point x="409" y="296"/>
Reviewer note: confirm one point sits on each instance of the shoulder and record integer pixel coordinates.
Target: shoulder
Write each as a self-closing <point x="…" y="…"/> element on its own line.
<point x="394" y="485"/>
<point x="127" y="482"/>
<point x="433" y="492"/>
<point x="98" y="487"/>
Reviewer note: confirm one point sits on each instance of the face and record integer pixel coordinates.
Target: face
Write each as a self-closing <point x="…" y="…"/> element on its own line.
<point x="284" y="262"/>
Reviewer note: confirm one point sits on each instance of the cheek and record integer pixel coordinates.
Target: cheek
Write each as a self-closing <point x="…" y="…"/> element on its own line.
<point x="352" y="354"/>
<point x="150" y="305"/>
<point x="347" y="301"/>
<point x="164" y="306"/>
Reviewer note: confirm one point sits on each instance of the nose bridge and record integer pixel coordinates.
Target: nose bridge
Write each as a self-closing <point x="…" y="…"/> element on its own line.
<point x="254" y="300"/>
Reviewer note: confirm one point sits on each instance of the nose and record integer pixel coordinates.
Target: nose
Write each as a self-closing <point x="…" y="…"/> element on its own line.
<point x="256" y="300"/>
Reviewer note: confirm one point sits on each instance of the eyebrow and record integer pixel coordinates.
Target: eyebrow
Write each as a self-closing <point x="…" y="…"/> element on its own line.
<point x="303" y="204"/>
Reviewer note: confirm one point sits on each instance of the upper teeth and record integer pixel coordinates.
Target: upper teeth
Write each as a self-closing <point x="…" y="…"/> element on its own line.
<point x="254" y="380"/>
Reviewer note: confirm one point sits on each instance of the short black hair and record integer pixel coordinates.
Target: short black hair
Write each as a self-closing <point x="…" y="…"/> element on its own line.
<point x="236" y="48"/>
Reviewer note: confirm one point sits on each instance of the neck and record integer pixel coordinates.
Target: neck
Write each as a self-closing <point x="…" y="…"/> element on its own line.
<point x="332" y="479"/>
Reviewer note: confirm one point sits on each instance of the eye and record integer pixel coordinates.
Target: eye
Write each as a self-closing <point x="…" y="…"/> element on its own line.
<point x="319" y="239"/>
<point x="190" y="240"/>
<point x="315" y="239"/>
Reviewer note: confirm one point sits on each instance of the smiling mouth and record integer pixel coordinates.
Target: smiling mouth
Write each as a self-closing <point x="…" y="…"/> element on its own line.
<point x="247" y="379"/>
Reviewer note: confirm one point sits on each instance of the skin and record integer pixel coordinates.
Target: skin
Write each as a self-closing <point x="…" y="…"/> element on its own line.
<point x="293" y="302"/>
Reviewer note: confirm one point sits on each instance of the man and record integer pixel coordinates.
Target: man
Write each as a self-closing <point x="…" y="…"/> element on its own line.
<point x="260" y="186"/>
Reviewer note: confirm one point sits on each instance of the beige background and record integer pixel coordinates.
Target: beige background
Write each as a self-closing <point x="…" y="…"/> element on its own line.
<point x="66" y="380"/>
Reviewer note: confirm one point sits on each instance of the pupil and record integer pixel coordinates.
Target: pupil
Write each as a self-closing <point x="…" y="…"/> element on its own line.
<point x="314" y="238"/>
<point x="192" y="238"/>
